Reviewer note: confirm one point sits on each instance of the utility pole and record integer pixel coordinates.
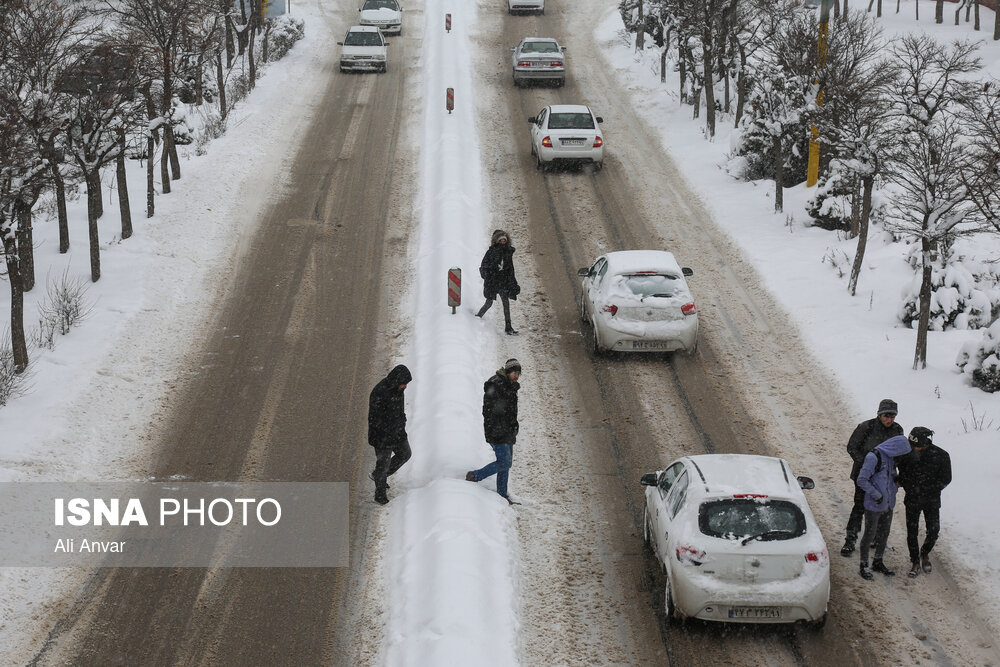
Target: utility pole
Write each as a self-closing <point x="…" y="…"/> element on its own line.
<point x="824" y="22"/>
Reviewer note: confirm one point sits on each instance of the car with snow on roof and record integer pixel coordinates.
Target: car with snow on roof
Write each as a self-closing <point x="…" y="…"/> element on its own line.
<point x="363" y="49"/>
<point x="737" y="541"/>
<point x="386" y="15"/>
<point x="639" y="301"/>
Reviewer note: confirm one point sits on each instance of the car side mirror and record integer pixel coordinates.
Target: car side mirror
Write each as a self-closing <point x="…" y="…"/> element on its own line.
<point x="806" y="483"/>
<point x="687" y="272"/>
<point x="583" y="273"/>
<point x="649" y="479"/>
<point x="600" y="120"/>
<point x="340" y="43"/>
<point x="563" y="48"/>
<point x="385" y="44"/>
<point x="532" y="120"/>
<point x="513" y="48"/>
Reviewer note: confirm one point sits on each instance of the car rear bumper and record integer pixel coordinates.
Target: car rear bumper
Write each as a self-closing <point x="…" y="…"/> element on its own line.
<point x="387" y="28"/>
<point x="649" y="336"/>
<point x="719" y="601"/>
<point x="362" y="65"/>
<point x="540" y="74"/>
<point x="576" y="154"/>
<point x="520" y="8"/>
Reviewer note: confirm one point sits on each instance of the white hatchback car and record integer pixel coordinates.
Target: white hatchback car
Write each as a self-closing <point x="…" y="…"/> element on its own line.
<point x="525" y="6"/>
<point x="639" y="301"/>
<point x="363" y="49"/>
<point x="737" y="541"/>
<point x="386" y="15"/>
<point x="566" y="133"/>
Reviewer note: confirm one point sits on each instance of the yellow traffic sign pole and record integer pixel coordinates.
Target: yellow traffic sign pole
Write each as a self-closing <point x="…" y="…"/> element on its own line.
<point x="824" y="21"/>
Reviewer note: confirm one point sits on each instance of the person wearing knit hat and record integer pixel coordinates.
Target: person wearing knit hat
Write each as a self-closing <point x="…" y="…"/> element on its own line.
<point x="497" y="272"/>
<point x="500" y="425"/>
<point x="865" y="438"/>
<point x="923" y="474"/>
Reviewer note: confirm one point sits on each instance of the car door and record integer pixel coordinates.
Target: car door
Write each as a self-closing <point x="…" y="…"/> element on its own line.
<point x="597" y="283"/>
<point x="664" y="484"/>
<point x="673" y="503"/>
<point x="588" y="285"/>
<point x="536" y="129"/>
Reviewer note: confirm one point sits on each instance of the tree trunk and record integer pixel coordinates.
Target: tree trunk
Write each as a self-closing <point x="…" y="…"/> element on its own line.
<point x="939" y="11"/>
<point x="199" y="80"/>
<point x="222" y="86"/>
<point x="682" y="70"/>
<point x="855" y="207"/>
<point x="976" y="24"/>
<point x="920" y="354"/>
<point x="916" y="8"/>
<point x="18" y="343"/>
<point x="859" y="256"/>
<point x="150" y="181"/>
<point x="122" y="180"/>
<point x="230" y="44"/>
<point x="996" y="23"/>
<point x="878" y="10"/>
<point x="93" y="181"/>
<point x="728" y="104"/>
<point x="250" y="56"/>
<point x="663" y="65"/>
<point x="93" y="200"/>
<point x="741" y="87"/>
<point x="60" y="186"/>
<point x="779" y="176"/>
<point x="171" y="149"/>
<point x="640" y="33"/>
<point x="709" y="71"/>
<point x="25" y="245"/>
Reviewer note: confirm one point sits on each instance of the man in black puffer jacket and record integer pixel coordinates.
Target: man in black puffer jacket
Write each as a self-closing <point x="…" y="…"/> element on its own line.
<point x="387" y="429"/>
<point x="923" y="474"/>
<point x="866" y="437"/>
<point x="500" y="424"/>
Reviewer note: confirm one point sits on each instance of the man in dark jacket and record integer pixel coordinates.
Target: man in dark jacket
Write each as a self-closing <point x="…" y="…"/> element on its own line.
<point x="867" y="435"/>
<point x="923" y="474"/>
<point x="497" y="272"/>
<point x="500" y="424"/>
<point x="387" y="429"/>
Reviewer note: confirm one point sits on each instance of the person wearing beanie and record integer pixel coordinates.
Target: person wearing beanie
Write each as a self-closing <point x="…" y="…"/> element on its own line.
<point x="923" y="474"/>
<point x="500" y="425"/>
<point x="878" y="480"/>
<point x="497" y="272"/>
<point x="867" y="435"/>
<point x="387" y="429"/>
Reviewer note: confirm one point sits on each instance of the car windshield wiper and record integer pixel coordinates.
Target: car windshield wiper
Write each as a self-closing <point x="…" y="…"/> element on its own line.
<point x="764" y="535"/>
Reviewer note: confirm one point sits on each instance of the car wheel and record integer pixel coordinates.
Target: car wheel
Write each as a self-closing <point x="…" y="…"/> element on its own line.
<point x="694" y="349"/>
<point x="385" y="68"/>
<point x="583" y="308"/>
<point x="539" y="165"/>
<point x="599" y="165"/>
<point x="668" y="602"/>
<point x="646" y="532"/>
<point x="817" y="624"/>
<point x="598" y="350"/>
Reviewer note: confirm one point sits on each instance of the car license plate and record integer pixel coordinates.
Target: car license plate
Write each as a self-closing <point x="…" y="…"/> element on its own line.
<point x="755" y="612"/>
<point x="573" y="142"/>
<point x="648" y="345"/>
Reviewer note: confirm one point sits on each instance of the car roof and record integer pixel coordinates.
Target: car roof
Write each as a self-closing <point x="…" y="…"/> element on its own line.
<point x="363" y="28"/>
<point x="734" y="474"/>
<point x="570" y="108"/>
<point x="540" y="39"/>
<point x="629" y="261"/>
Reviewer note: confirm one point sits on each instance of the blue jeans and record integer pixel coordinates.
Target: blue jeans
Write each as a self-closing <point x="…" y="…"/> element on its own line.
<point x="500" y="467"/>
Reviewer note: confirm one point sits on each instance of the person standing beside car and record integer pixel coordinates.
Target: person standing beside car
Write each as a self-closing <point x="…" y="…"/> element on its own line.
<point x="877" y="478"/>
<point x="387" y="429"/>
<point x="500" y="425"/>
<point x="866" y="436"/>
<point x="497" y="272"/>
<point x="923" y="474"/>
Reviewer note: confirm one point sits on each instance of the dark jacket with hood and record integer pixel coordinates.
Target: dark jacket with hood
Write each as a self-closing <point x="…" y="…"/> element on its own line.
<point x="923" y="475"/>
<point x="497" y="268"/>
<point x="878" y="473"/>
<point x="500" y="409"/>
<point x="386" y="418"/>
<point x="865" y="437"/>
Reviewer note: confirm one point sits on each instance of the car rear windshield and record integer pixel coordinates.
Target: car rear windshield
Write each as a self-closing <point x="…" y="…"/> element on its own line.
<point x="363" y="39"/>
<point x="735" y="518"/>
<point x="571" y="121"/>
<point x="651" y="284"/>
<point x="540" y="47"/>
<point x="381" y="4"/>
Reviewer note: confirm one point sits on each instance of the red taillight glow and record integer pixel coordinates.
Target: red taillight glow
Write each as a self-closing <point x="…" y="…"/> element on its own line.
<point x="547" y="142"/>
<point x="749" y="495"/>
<point x="690" y="309"/>
<point x="816" y="556"/>
<point x="556" y="63"/>
<point x="688" y="554"/>
<point x="610" y="309"/>
<point x="524" y="63"/>
<point x="598" y="142"/>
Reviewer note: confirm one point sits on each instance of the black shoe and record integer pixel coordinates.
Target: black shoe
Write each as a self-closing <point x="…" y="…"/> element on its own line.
<point x="925" y="564"/>
<point x="510" y="331"/>
<point x="470" y="477"/>
<point x="381" y="498"/>
<point x="865" y="573"/>
<point x="914" y="571"/>
<point x="879" y="566"/>
<point x="371" y="476"/>
<point x="847" y="549"/>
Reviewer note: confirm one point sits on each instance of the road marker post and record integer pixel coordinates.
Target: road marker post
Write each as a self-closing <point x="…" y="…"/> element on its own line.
<point x="447" y="23"/>
<point x="454" y="288"/>
<point x="450" y="102"/>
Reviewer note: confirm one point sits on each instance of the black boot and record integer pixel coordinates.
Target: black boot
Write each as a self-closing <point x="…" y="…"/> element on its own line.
<point x="381" y="498"/>
<point x="848" y="548"/>
<point x="865" y="572"/>
<point x="879" y="566"/>
<point x="509" y="330"/>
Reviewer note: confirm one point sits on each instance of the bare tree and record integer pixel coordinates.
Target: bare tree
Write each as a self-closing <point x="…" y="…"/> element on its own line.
<point x="983" y="176"/>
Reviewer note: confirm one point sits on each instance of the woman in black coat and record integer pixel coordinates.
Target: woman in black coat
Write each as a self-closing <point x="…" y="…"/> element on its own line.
<point x="497" y="271"/>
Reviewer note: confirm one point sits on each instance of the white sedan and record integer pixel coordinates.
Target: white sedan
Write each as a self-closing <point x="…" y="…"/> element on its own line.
<point x="386" y="15"/>
<point x="566" y="133"/>
<point x="639" y="301"/>
<point x="538" y="59"/>
<point x="363" y="49"/>
<point x="525" y="6"/>
<point x="737" y="541"/>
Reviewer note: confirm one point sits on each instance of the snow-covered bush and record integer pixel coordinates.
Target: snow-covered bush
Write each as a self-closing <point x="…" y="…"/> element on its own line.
<point x="964" y="294"/>
<point x="285" y="31"/>
<point x="830" y="208"/>
<point x="980" y="360"/>
<point x="183" y="129"/>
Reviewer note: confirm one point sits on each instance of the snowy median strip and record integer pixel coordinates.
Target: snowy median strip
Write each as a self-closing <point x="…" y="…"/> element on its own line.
<point x="449" y="569"/>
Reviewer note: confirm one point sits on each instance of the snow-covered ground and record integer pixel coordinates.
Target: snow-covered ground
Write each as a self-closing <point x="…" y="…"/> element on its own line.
<point x="94" y="399"/>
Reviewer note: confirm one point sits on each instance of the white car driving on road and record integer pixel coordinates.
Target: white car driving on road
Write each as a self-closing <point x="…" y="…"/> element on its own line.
<point x="539" y="59"/>
<point x="363" y="49"/>
<point x="737" y="540"/>
<point x="525" y="6"/>
<point x="639" y="301"/>
<point x="386" y="15"/>
<point x="566" y="133"/>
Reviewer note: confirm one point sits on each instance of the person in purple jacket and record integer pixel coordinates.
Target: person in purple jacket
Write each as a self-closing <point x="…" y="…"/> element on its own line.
<point x="878" y="480"/>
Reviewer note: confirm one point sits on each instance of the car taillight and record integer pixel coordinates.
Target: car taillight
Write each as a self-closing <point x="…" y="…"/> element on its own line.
<point x="556" y="63"/>
<point x="610" y="309"/>
<point x="749" y="495"/>
<point x="524" y="63"/>
<point x="690" y="309"/>
<point x="688" y="554"/>
<point x="547" y="142"/>
<point x="598" y="142"/>
<point x="816" y="556"/>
